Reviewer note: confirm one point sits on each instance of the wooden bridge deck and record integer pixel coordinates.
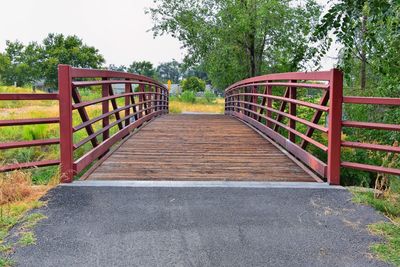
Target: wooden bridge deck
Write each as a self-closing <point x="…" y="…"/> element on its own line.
<point x="198" y="147"/>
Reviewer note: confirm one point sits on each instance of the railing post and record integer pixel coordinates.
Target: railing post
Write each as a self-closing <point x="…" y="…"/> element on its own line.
<point x="127" y="102"/>
<point x="254" y="100"/>
<point x="66" y="137"/>
<point x="105" y="108"/>
<point x="269" y="104"/>
<point x="292" y="111"/>
<point x="335" y="126"/>
<point x="167" y="99"/>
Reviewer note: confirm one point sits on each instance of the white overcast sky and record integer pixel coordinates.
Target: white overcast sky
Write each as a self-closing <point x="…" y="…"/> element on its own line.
<point x="119" y="28"/>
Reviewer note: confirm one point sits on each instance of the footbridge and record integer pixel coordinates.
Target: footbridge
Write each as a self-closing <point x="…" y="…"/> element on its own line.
<point x="279" y="127"/>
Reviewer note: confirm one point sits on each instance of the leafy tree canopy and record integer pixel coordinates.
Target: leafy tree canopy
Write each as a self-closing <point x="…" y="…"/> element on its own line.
<point x="237" y="39"/>
<point x="169" y="71"/>
<point x="60" y="49"/>
<point x="142" y="67"/>
<point x="22" y="64"/>
<point x="193" y="84"/>
<point x="117" y="68"/>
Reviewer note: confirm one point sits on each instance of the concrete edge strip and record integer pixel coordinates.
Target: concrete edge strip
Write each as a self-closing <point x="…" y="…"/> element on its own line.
<point x="200" y="184"/>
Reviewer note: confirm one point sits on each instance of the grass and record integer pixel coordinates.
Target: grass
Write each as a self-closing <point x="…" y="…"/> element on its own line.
<point x="389" y="205"/>
<point x="18" y="196"/>
<point x="176" y="106"/>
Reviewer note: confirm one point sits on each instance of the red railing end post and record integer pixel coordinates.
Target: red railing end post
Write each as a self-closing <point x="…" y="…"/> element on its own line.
<point x="66" y="140"/>
<point x="335" y="126"/>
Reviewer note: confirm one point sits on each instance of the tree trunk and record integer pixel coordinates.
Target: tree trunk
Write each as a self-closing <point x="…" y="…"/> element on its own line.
<point x="363" y="71"/>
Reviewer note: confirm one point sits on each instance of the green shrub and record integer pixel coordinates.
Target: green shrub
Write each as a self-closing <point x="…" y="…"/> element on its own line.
<point x="193" y="84"/>
<point x="188" y="96"/>
<point x="209" y="96"/>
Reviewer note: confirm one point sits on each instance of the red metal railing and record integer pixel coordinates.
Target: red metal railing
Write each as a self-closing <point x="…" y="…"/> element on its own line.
<point x="254" y="101"/>
<point x="31" y="121"/>
<point x="148" y="100"/>
<point x="371" y="125"/>
<point x="142" y="99"/>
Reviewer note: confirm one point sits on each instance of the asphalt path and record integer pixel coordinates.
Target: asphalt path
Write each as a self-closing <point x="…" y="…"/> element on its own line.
<point x="201" y="226"/>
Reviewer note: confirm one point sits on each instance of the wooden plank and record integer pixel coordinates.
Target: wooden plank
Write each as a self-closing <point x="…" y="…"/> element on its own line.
<point x="198" y="147"/>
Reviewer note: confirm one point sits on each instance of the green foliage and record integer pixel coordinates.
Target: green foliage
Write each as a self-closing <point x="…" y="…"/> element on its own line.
<point x="238" y="39"/>
<point x="193" y="84"/>
<point x="23" y="65"/>
<point x="142" y="67"/>
<point x="4" y="262"/>
<point x="188" y="96"/>
<point x="209" y="96"/>
<point x="117" y="68"/>
<point x="390" y="250"/>
<point x="389" y="205"/>
<point x="169" y="71"/>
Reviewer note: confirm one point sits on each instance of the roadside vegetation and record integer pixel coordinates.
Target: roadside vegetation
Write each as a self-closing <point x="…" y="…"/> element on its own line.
<point x="388" y="202"/>
<point x="18" y="195"/>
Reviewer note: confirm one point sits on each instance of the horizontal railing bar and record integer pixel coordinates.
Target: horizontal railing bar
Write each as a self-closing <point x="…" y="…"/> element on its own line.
<point x="370" y="168"/>
<point x="92" y="155"/>
<point x="28" y="121"/>
<point x="300" y="76"/>
<point x="286" y="127"/>
<point x="289" y="100"/>
<point x="372" y="100"/>
<point x="107" y="98"/>
<point x="92" y="83"/>
<point x="303" y="121"/>
<point x="16" y="96"/>
<point x="26" y="165"/>
<point x="371" y="125"/>
<point x="96" y="73"/>
<point x="287" y="84"/>
<point x="105" y="115"/>
<point x="386" y="148"/>
<point x="90" y="137"/>
<point x="19" y="144"/>
<point x="314" y="163"/>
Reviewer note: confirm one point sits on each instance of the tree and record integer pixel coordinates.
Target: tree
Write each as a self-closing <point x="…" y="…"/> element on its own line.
<point x="197" y="71"/>
<point x="357" y="25"/>
<point x="169" y="71"/>
<point x="19" y="63"/>
<point x="142" y="67"/>
<point x="236" y="39"/>
<point x="193" y="84"/>
<point x="4" y="65"/>
<point x="22" y="64"/>
<point x="117" y="68"/>
<point x="59" y="49"/>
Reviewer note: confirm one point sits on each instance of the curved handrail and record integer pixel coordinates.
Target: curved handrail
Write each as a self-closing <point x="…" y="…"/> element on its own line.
<point x="252" y="100"/>
<point x="149" y="99"/>
<point x="313" y="76"/>
<point x="96" y="73"/>
<point x="244" y="100"/>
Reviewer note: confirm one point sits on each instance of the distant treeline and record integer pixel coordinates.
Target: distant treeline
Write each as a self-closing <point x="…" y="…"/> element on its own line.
<point x="36" y="63"/>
